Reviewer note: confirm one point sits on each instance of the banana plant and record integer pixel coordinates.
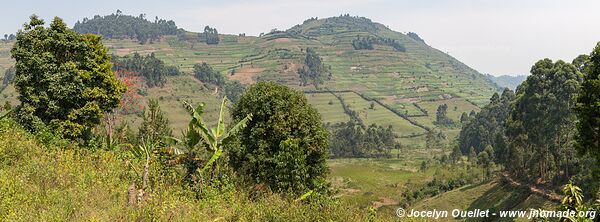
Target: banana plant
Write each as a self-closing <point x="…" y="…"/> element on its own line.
<point x="200" y="134"/>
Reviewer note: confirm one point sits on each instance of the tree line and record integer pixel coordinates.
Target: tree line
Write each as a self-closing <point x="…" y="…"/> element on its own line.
<point x="350" y="139"/>
<point x="119" y="26"/>
<point x="148" y="66"/>
<point x="366" y="43"/>
<point x="532" y="132"/>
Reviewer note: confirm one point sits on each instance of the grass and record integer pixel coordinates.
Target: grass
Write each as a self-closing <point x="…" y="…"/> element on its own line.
<point x="45" y="182"/>
<point x="493" y="195"/>
<point x="329" y="106"/>
<point x="420" y="75"/>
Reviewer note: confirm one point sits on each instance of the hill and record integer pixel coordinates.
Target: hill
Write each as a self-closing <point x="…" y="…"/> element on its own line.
<point x="403" y="76"/>
<point x="507" y="81"/>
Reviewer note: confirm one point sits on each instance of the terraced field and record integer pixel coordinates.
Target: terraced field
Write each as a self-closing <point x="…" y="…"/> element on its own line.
<point x="421" y="75"/>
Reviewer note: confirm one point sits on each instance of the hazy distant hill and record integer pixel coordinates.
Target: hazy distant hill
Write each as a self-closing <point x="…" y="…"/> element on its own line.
<point x="507" y="81"/>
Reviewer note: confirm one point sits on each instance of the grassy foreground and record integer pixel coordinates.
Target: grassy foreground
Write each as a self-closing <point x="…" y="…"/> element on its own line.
<point x="44" y="182"/>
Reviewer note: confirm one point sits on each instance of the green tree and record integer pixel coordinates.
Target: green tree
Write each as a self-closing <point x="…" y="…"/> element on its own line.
<point x="588" y="107"/>
<point x="64" y="79"/>
<point x="314" y="70"/>
<point x="211" y="35"/>
<point x="207" y="74"/>
<point x="541" y="123"/>
<point x="441" y="116"/>
<point x="155" y="124"/>
<point x="282" y="122"/>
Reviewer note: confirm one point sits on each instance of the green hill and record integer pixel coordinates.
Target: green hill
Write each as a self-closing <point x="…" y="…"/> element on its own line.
<point x="401" y="74"/>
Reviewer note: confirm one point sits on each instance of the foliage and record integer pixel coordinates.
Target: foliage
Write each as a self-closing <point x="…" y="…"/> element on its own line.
<point x="233" y="90"/>
<point x="64" y="79"/>
<point x="200" y="135"/>
<point x="349" y="139"/>
<point x="588" y="107"/>
<point x="433" y="188"/>
<point x="155" y="125"/>
<point x="414" y="36"/>
<point x="441" y="117"/>
<point x="283" y="123"/>
<point x="56" y="183"/>
<point x="121" y="26"/>
<point x="485" y="127"/>
<point x="366" y="43"/>
<point x="573" y="201"/>
<point x="314" y="70"/>
<point x="207" y="74"/>
<point x="151" y="68"/>
<point x="9" y="76"/>
<point x="541" y="124"/>
<point x="211" y="35"/>
<point x="435" y="139"/>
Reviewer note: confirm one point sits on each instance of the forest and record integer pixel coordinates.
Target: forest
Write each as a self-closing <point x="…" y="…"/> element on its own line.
<point x="118" y="25"/>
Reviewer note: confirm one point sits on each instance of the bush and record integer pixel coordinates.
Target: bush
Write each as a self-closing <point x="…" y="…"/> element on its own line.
<point x="283" y="125"/>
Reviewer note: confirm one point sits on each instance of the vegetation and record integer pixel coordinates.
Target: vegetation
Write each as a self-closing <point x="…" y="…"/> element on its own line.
<point x="9" y="76"/>
<point x="314" y="70"/>
<point x="64" y="79"/>
<point x="211" y="35"/>
<point x="152" y="69"/>
<point x="588" y="107"/>
<point x="350" y="139"/>
<point x="207" y="74"/>
<point x="121" y="26"/>
<point x="414" y="36"/>
<point x="366" y="43"/>
<point x="441" y="118"/>
<point x="285" y="145"/>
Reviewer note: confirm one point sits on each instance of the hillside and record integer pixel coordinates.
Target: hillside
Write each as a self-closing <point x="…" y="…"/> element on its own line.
<point x="507" y="81"/>
<point x="406" y="86"/>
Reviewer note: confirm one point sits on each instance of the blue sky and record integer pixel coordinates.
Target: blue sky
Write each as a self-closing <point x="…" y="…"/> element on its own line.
<point x="496" y="37"/>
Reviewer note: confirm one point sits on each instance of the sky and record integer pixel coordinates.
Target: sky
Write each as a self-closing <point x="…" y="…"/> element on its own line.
<point x="501" y="37"/>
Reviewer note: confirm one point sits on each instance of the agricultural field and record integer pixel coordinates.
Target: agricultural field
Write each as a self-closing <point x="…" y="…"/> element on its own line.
<point x="421" y="75"/>
<point x="494" y="194"/>
<point x="380" y="183"/>
<point x="329" y="106"/>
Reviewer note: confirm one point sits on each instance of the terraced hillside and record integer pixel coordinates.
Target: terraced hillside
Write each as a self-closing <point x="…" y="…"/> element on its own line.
<point x="405" y="86"/>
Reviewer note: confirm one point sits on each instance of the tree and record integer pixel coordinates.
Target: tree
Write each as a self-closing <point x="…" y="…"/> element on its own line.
<point x="64" y="79"/>
<point x="282" y="122"/>
<point x="121" y="26"/>
<point x="211" y="35"/>
<point x="155" y="124"/>
<point x="456" y="154"/>
<point x="233" y="90"/>
<point x="588" y="107"/>
<point x="540" y="125"/>
<point x="207" y="74"/>
<point x="313" y="70"/>
<point x="441" y="117"/>
<point x="152" y="69"/>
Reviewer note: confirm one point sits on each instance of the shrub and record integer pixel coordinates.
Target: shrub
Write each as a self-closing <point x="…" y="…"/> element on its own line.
<point x="283" y="125"/>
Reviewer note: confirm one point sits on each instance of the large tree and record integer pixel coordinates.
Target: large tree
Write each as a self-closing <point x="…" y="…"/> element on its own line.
<point x="283" y="124"/>
<point x="588" y="107"/>
<point x="314" y="70"/>
<point x="64" y="79"/>
<point x="541" y="122"/>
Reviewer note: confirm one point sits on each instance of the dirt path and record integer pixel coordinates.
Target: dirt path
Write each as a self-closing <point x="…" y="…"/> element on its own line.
<point x="536" y="190"/>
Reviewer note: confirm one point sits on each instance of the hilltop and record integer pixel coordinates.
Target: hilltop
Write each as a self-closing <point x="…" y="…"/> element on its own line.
<point x="404" y="78"/>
